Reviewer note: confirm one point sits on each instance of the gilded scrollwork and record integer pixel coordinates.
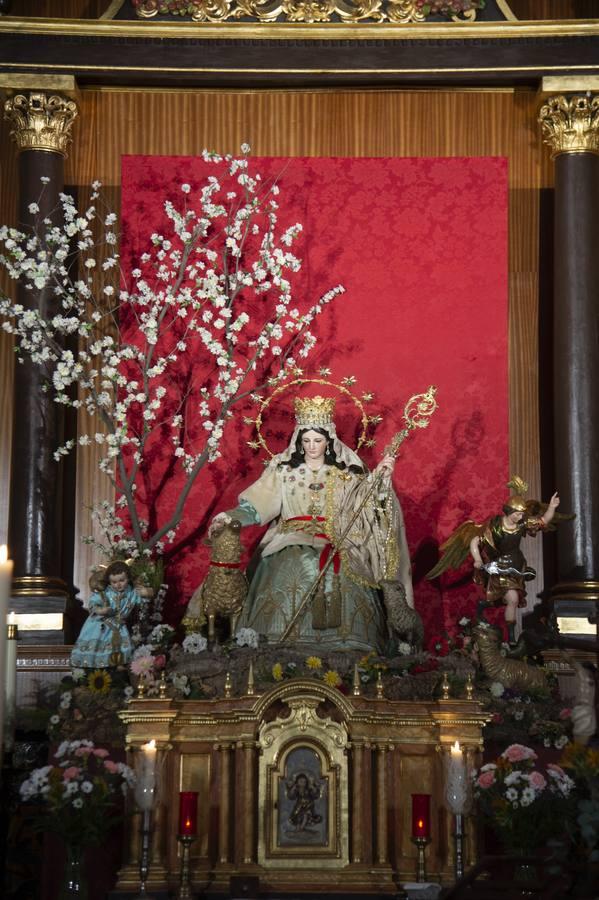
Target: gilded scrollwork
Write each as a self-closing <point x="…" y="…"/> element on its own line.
<point x="399" y="12"/>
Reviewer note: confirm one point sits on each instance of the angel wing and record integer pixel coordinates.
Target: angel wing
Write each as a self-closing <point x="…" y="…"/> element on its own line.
<point x="457" y="547"/>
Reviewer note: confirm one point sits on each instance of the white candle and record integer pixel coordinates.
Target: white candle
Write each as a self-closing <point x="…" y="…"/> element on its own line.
<point x="10" y="681"/>
<point x="5" y="589"/>
<point x="456" y="788"/>
<point x="146" y="776"/>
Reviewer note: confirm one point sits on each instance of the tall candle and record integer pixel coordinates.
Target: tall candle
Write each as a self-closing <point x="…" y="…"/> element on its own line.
<point x="421" y="815"/>
<point x="146" y="776"/>
<point x="456" y="787"/>
<point x="5" y="589"/>
<point x="10" y="681"/>
<point x="188" y="812"/>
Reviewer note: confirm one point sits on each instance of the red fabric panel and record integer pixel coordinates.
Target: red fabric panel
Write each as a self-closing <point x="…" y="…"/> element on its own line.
<point x="421" y="247"/>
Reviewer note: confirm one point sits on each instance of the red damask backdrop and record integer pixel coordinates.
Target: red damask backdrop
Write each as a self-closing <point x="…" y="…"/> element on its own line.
<point x="421" y="248"/>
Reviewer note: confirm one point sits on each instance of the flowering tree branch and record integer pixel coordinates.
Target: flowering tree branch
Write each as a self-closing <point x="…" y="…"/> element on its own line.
<point x="215" y="290"/>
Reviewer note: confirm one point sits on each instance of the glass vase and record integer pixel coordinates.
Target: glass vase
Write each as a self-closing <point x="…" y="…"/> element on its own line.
<point x="74" y="883"/>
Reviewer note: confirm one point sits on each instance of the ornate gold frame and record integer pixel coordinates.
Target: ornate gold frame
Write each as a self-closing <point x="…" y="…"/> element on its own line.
<point x="328" y="739"/>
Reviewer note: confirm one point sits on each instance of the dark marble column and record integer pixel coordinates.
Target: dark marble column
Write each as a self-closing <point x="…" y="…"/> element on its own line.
<point x="40" y="125"/>
<point x="571" y="128"/>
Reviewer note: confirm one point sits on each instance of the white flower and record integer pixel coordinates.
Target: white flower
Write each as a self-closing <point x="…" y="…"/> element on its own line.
<point x="561" y="741"/>
<point x="33" y="208"/>
<point x="245" y="149"/>
<point x="194" y="643"/>
<point x="404" y="649"/>
<point x="247" y="637"/>
<point x="128" y="692"/>
<point x="65" y="700"/>
<point x="87" y="787"/>
<point x="54" y="720"/>
<point x="77" y="802"/>
<point x="512" y="794"/>
<point x="528" y="795"/>
<point x="497" y="689"/>
<point x="186" y="188"/>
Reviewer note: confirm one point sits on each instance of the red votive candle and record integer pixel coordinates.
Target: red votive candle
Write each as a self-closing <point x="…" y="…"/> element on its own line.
<point x="188" y="812"/>
<point x="421" y="815"/>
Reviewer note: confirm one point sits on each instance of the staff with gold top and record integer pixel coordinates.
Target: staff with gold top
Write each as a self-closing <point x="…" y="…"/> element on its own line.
<point x="332" y="525"/>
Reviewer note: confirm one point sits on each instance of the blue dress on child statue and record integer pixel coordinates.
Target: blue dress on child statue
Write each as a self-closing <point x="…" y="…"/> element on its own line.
<point x="104" y="640"/>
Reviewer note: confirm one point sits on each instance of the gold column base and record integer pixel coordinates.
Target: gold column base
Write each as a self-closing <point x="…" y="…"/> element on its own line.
<point x="576" y="590"/>
<point x="39" y="586"/>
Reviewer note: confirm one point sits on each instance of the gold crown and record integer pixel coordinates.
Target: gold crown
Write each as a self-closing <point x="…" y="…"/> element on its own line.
<point x="316" y="411"/>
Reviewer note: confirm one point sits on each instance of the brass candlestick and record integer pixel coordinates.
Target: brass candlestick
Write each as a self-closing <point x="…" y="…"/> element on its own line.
<point x="144" y="863"/>
<point x="421" y="843"/>
<point x="458" y="835"/>
<point x="186" y="840"/>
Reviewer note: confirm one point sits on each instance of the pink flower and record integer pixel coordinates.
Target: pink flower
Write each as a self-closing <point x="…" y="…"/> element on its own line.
<point x="537" y="781"/>
<point x="83" y="751"/>
<point x="142" y="665"/>
<point x="486" y="779"/>
<point x="518" y="752"/>
<point x="71" y="772"/>
<point x="565" y="713"/>
<point x="100" y="753"/>
<point x="111" y="766"/>
<point x="160" y="661"/>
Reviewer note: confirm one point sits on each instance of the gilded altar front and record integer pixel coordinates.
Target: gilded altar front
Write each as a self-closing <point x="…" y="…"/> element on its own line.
<point x="301" y="786"/>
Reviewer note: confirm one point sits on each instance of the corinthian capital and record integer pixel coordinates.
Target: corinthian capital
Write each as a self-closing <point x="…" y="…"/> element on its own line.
<point x="41" y="121"/>
<point x="571" y="124"/>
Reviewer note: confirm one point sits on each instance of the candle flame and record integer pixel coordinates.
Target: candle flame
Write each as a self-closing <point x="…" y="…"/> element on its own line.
<point x="149" y="747"/>
<point x="3" y="553"/>
<point x="421" y="824"/>
<point x="456" y="747"/>
<point x="188" y="823"/>
<point x="12" y="619"/>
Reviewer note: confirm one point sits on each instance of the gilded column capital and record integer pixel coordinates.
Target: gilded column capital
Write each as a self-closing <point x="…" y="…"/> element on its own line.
<point x="41" y="121"/>
<point x="571" y="124"/>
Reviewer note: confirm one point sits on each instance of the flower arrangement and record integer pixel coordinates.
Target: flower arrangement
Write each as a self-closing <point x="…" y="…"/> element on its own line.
<point x="313" y="666"/>
<point x="520" y="801"/>
<point x="544" y="721"/>
<point x="79" y="790"/>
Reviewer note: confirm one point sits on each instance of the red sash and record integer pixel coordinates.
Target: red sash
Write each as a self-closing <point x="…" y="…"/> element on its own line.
<point x="326" y="550"/>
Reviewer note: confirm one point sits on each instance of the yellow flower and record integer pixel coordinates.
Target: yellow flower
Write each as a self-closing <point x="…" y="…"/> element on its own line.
<point x="99" y="681"/>
<point x="314" y="662"/>
<point x="277" y="672"/>
<point x="332" y="678"/>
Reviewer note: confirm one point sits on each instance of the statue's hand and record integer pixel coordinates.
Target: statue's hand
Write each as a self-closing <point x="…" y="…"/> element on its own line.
<point x="386" y="465"/>
<point x="554" y="502"/>
<point x="218" y="523"/>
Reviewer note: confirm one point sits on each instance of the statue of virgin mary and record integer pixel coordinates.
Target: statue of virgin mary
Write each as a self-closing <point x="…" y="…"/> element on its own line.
<point x="335" y="532"/>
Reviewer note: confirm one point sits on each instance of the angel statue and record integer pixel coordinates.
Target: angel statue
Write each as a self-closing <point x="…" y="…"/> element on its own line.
<point x="499" y="564"/>
<point x="330" y="543"/>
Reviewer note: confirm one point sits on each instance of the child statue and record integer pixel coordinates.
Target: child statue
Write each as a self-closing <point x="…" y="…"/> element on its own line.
<point x="104" y="640"/>
<point x="499" y="564"/>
